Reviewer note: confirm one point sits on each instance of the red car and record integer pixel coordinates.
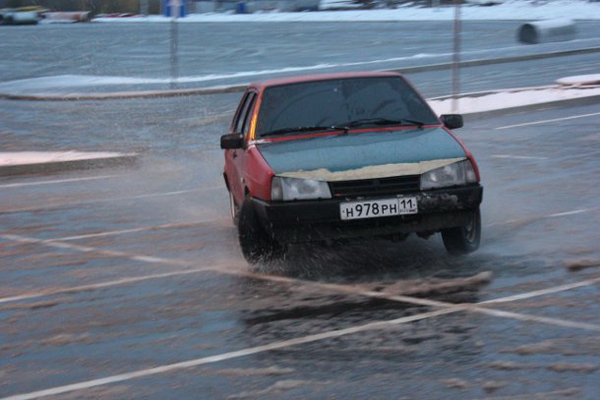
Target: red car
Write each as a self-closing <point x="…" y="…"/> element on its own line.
<point x="328" y="157"/>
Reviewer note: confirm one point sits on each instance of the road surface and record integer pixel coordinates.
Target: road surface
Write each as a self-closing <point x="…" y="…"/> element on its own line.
<point x="128" y="283"/>
<point x="109" y="273"/>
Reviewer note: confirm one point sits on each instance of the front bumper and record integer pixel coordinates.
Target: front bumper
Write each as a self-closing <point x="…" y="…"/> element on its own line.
<point x="315" y="220"/>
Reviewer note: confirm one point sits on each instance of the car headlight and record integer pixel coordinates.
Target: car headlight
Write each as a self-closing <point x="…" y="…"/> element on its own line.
<point x="455" y="174"/>
<point x="298" y="189"/>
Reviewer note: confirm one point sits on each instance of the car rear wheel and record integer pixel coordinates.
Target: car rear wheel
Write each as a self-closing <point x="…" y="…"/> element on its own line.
<point x="463" y="239"/>
<point x="256" y="244"/>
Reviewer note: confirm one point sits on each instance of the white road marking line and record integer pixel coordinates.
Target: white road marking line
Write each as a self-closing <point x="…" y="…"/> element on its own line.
<point x="575" y="212"/>
<point x="111" y="233"/>
<point x="539" y="218"/>
<point x="86" y="249"/>
<point x="148" y="259"/>
<point x="434" y="303"/>
<point x="141" y="229"/>
<point x="12" y="185"/>
<point x="93" y="201"/>
<point x="534" y="318"/>
<point x="273" y="278"/>
<point x="542" y="292"/>
<point x="348" y="289"/>
<point x="342" y="288"/>
<point x="518" y="157"/>
<point x="333" y="287"/>
<point x="228" y="356"/>
<point x="146" y="196"/>
<point x="547" y="121"/>
<point x="152" y="260"/>
<point x="96" y="286"/>
<point x="288" y="343"/>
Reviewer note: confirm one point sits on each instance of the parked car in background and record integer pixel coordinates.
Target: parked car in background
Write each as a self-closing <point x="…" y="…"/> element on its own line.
<point x="331" y="157"/>
<point x="25" y="16"/>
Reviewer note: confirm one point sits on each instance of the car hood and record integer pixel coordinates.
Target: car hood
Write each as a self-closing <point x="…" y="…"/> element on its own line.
<point x="363" y="155"/>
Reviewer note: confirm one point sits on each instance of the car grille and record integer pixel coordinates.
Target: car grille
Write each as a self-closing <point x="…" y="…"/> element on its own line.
<point x="376" y="187"/>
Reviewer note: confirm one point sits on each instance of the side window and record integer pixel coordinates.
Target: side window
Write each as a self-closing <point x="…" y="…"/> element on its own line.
<point x="240" y="116"/>
<point x="247" y="118"/>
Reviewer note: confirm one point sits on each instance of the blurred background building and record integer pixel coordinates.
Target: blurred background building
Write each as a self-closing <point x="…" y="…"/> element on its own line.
<point x="155" y="6"/>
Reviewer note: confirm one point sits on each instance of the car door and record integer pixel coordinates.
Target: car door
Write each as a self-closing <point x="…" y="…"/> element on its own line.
<point x="235" y="158"/>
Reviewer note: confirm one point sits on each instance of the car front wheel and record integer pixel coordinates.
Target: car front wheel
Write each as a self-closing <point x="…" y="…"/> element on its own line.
<point x="256" y="244"/>
<point x="463" y="239"/>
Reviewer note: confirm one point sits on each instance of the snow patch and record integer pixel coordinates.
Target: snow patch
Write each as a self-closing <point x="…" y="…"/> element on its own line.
<point x="41" y="157"/>
<point x="467" y="104"/>
<point x="580" y="80"/>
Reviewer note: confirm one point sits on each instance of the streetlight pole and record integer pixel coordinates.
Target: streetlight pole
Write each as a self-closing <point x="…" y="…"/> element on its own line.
<point x="144" y="7"/>
<point x="456" y="57"/>
<point x="175" y="8"/>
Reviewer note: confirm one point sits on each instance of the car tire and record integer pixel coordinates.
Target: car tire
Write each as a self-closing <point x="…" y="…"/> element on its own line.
<point x="234" y="209"/>
<point x="463" y="239"/>
<point x="256" y="244"/>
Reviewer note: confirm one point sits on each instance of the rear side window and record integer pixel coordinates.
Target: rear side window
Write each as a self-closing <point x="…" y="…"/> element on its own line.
<point x="241" y="121"/>
<point x="339" y="102"/>
<point x="248" y="117"/>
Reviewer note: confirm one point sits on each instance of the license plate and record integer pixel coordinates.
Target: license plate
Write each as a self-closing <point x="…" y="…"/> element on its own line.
<point x="378" y="208"/>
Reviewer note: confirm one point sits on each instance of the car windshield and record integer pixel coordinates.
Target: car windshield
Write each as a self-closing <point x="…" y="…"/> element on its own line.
<point x="346" y="102"/>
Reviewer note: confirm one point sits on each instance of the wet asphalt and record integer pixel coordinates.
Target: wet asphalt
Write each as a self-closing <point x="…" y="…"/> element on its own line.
<point x="126" y="270"/>
<point x="134" y="275"/>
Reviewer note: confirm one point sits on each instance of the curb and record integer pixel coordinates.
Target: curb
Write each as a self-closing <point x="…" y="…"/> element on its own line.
<point x="241" y="87"/>
<point x="128" y="160"/>
<point x="126" y="95"/>
<point x="502" y="60"/>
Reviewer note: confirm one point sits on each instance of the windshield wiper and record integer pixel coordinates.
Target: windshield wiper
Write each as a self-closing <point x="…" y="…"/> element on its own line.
<point x="345" y="128"/>
<point x="384" y="122"/>
<point x="306" y="129"/>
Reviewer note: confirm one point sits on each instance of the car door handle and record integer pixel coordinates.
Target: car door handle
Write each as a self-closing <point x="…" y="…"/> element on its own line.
<point x="234" y="154"/>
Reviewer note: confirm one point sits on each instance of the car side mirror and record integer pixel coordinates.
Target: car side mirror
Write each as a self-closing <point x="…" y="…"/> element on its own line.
<point x="452" y="121"/>
<point x="232" y="141"/>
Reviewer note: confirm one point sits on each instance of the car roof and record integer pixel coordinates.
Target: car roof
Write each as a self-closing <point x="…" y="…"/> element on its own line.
<point x="320" y="77"/>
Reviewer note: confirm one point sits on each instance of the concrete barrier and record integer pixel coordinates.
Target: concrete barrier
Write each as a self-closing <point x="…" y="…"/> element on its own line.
<point x="547" y="31"/>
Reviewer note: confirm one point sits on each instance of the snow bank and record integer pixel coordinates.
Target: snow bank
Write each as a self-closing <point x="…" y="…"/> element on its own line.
<point x="473" y="103"/>
<point x="580" y="80"/>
